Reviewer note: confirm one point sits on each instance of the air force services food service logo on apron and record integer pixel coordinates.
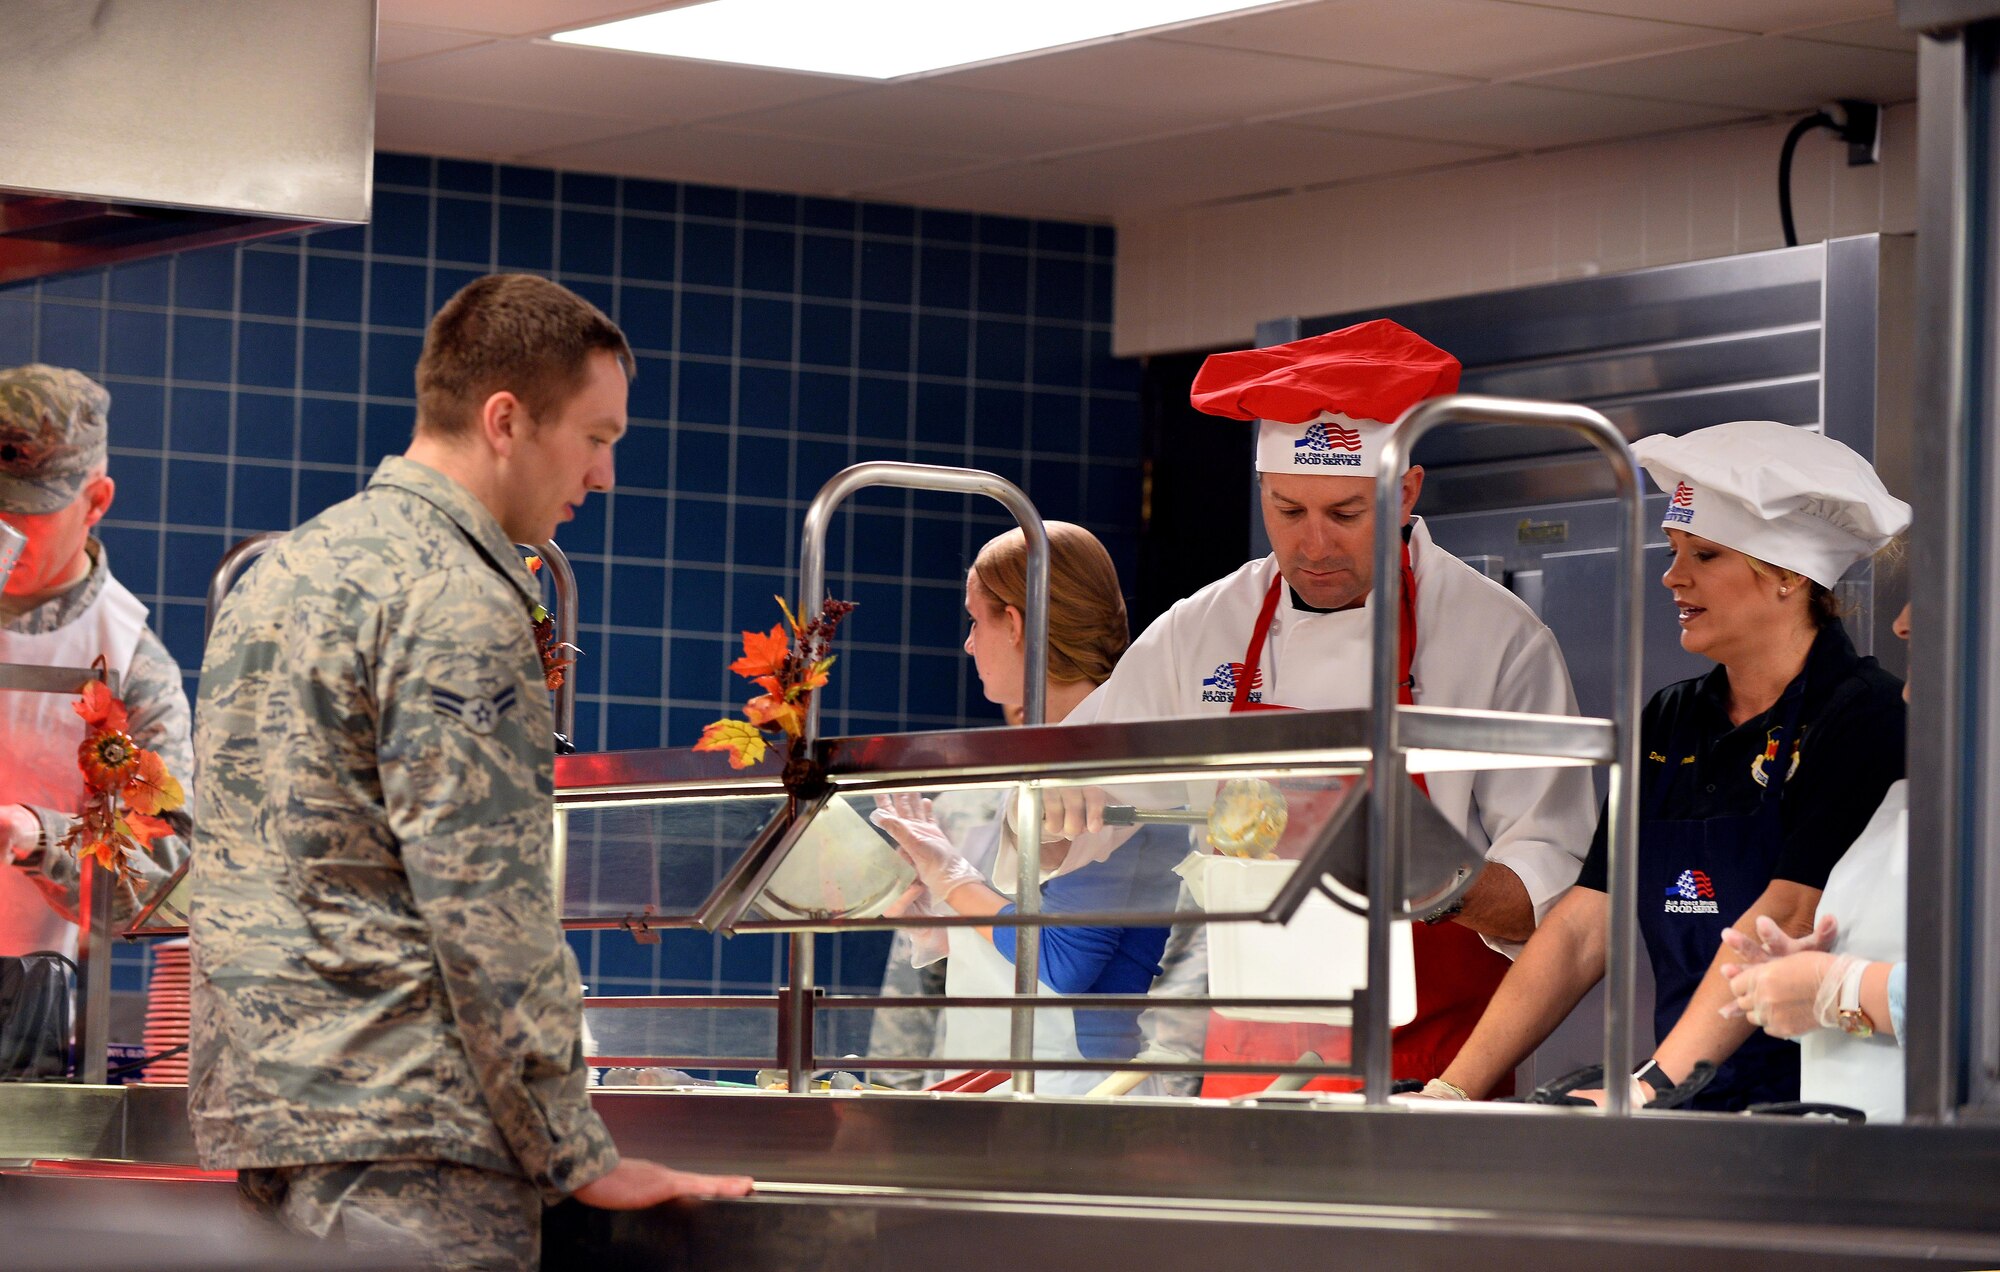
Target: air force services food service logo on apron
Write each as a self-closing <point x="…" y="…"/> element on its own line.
<point x="481" y="715"/>
<point x="1328" y="445"/>
<point x="1692" y="893"/>
<point x="1221" y="685"/>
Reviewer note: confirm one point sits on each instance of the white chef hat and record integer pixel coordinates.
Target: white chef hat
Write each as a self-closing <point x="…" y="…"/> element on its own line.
<point x="1794" y="498"/>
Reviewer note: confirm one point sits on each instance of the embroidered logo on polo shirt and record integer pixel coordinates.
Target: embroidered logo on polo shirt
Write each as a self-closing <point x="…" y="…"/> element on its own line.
<point x="481" y="715"/>
<point x="1762" y="763"/>
<point x="1328" y="445"/>
<point x="1680" y="509"/>
<point x="1221" y="686"/>
<point x="1692" y="893"/>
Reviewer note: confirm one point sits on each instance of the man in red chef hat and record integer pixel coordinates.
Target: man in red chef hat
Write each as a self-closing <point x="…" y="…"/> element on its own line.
<point x="1293" y="630"/>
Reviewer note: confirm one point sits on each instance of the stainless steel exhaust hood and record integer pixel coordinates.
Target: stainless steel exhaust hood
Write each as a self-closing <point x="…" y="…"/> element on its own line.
<point x="129" y="128"/>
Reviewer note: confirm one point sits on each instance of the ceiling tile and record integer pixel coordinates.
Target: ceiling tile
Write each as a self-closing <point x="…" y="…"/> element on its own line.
<point x="397" y="43"/>
<point x="923" y="116"/>
<point x="430" y="126"/>
<point x="653" y="90"/>
<point x="1758" y="17"/>
<point x="723" y="156"/>
<point x="1873" y="33"/>
<point x="1488" y="39"/>
<point x="1184" y="85"/>
<point x="510" y="17"/>
<point x="1771" y="73"/>
<point x="1517" y="117"/>
<point x="1201" y="167"/>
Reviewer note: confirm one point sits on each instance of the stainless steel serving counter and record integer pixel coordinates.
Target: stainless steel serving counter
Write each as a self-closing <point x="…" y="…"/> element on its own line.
<point x="877" y="1180"/>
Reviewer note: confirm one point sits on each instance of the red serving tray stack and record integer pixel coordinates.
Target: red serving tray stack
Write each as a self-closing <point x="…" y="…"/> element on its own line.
<point x="167" y="1012"/>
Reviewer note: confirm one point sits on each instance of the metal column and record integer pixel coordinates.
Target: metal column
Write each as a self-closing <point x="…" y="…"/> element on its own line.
<point x="1954" y="746"/>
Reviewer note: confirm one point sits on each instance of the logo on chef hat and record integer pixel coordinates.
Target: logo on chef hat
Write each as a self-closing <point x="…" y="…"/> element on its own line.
<point x="1328" y="444"/>
<point x="1220" y="686"/>
<point x="1680" y="509"/>
<point x="1692" y="893"/>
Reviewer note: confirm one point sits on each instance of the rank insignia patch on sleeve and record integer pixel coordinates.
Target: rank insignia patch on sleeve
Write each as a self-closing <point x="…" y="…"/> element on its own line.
<point x="481" y="715"/>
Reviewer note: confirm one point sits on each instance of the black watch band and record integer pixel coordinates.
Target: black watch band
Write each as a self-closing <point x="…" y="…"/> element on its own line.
<point x="1655" y="1077"/>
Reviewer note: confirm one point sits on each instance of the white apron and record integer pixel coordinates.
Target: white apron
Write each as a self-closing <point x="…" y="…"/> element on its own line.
<point x="1867" y="894"/>
<point x="977" y="969"/>
<point x="39" y="737"/>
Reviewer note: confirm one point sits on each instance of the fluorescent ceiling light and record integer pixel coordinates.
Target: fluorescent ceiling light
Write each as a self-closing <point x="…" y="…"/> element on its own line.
<point x="884" y="39"/>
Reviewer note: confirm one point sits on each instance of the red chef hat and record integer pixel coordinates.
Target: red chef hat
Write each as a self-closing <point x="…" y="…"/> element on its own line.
<point x="1326" y="401"/>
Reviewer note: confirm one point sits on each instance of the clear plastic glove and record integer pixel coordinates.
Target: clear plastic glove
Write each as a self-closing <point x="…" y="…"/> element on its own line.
<point x="927" y="944"/>
<point x="939" y="865"/>
<point x="1785" y="985"/>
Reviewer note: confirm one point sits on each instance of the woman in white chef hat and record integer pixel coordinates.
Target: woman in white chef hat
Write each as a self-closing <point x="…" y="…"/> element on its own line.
<point x="1754" y="778"/>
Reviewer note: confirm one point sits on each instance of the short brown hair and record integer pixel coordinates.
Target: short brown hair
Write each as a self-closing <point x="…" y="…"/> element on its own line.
<point x="1088" y="630"/>
<point x="513" y="333"/>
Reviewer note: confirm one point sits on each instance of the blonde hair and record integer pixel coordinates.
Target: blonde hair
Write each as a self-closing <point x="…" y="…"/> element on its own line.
<point x="1822" y="606"/>
<point x="1088" y="630"/>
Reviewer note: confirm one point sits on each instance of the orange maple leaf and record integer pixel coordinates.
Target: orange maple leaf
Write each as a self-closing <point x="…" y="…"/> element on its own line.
<point x="763" y="655"/>
<point x="771" y="710"/>
<point x="740" y="739"/>
<point x="100" y="710"/>
<point x="771" y="685"/>
<point x="143" y="830"/>
<point x="814" y="678"/>
<point x="152" y="789"/>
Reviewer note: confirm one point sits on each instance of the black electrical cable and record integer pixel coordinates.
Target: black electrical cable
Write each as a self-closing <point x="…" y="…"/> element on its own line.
<point x="1819" y="119"/>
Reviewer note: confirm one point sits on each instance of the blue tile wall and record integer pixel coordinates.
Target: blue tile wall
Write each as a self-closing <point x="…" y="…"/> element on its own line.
<point x="779" y="339"/>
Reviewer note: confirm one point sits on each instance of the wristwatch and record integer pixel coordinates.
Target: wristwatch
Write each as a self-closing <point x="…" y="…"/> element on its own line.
<point x="1655" y="1077"/>
<point x="1853" y="1021"/>
<point x="1444" y="912"/>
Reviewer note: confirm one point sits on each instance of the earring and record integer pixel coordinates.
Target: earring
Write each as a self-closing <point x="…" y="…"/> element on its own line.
<point x="1784" y="591"/>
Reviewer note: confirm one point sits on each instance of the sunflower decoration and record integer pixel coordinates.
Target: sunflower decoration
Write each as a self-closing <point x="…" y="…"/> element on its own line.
<point x="788" y="666"/>
<point x="126" y="788"/>
<point x="557" y="656"/>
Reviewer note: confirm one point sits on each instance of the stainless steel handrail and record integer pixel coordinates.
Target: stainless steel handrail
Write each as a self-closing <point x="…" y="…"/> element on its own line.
<point x="563" y="579"/>
<point x="230" y="568"/>
<point x="812" y="589"/>
<point x="1386" y="815"/>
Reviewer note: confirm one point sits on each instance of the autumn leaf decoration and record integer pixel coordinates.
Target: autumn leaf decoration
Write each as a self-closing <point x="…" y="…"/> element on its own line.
<point x="126" y="788"/>
<point x="788" y="663"/>
<point x="557" y="656"/>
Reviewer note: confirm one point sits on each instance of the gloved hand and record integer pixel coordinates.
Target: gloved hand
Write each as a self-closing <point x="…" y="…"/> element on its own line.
<point x="927" y="944"/>
<point x="1786" y="985"/>
<point x="940" y="867"/>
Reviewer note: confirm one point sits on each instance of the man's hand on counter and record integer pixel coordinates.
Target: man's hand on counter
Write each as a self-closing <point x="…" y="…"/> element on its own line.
<point x="635" y="1184"/>
<point x="20" y="833"/>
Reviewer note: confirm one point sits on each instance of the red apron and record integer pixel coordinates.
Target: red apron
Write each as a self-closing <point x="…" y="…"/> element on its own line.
<point x="1456" y="972"/>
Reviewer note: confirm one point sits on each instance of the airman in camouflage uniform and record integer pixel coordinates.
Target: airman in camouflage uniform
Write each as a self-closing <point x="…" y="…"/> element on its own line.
<point x="387" y="1020"/>
<point x="63" y="607"/>
<point x="378" y="969"/>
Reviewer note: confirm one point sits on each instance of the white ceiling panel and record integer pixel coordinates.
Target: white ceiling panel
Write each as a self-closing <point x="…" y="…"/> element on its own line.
<point x="722" y="156"/>
<point x="1188" y="85"/>
<point x="397" y="43"/>
<point x="510" y="17"/>
<point x="1872" y="33"/>
<point x="1200" y="168"/>
<point x="1758" y="17"/>
<point x="560" y="77"/>
<point x="923" y="116"/>
<point x="1771" y="73"/>
<point x="479" y="130"/>
<point x="1486" y="39"/>
<point x="1518" y="117"/>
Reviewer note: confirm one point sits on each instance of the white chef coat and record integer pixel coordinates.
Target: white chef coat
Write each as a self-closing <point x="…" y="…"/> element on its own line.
<point x="1867" y="894"/>
<point x="39" y="736"/>
<point x="1478" y="646"/>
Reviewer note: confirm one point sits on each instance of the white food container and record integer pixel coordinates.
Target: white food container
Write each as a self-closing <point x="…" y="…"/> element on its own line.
<point x="1321" y="953"/>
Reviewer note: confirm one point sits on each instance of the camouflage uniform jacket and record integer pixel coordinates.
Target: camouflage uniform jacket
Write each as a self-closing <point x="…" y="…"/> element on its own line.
<point x="157" y="704"/>
<point x="378" y="969"/>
